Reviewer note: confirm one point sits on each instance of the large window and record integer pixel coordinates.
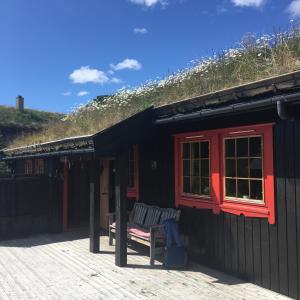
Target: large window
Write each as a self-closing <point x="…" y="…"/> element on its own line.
<point x="133" y="168"/>
<point x="244" y="169"/>
<point x="227" y="170"/>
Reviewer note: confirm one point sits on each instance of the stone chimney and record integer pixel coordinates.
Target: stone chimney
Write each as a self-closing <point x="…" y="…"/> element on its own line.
<point x="20" y="104"/>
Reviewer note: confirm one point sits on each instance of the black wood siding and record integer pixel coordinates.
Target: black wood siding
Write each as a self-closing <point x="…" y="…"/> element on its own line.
<point x="250" y="248"/>
<point x="30" y="205"/>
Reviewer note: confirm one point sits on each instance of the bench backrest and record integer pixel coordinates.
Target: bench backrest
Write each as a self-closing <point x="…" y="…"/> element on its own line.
<point x="169" y="213"/>
<point x="145" y="215"/>
<point x="137" y="215"/>
<point x="152" y="216"/>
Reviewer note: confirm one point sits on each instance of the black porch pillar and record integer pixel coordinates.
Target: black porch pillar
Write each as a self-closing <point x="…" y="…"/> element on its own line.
<point x="94" y="206"/>
<point x="121" y="207"/>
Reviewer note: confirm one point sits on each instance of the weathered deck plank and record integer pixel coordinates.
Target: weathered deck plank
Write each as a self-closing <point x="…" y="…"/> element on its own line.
<point x="61" y="267"/>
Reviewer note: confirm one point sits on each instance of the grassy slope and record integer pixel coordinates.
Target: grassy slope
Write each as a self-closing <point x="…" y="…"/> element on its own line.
<point x="13" y="122"/>
<point x="253" y="59"/>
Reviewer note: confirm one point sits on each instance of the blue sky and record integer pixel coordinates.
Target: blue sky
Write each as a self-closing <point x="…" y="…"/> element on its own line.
<point x="59" y="53"/>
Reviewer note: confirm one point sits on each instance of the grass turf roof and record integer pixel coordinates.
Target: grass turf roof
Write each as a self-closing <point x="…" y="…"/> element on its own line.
<point x="252" y="60"/>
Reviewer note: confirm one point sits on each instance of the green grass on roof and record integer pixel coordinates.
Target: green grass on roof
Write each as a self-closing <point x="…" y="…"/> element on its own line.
<point x="253" y="59"/>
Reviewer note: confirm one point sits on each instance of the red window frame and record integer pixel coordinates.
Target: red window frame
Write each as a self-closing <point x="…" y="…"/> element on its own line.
<point x="133" y="192"/>
<point x="39" y="166"/>
<point x="28" y="167"/>
<point x="191" y="200"/>
<point x="266" y="209"/>
<point x="217" y="200"/>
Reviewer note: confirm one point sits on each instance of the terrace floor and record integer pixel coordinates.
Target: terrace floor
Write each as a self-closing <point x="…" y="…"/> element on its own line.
<point x="59" y="266"/>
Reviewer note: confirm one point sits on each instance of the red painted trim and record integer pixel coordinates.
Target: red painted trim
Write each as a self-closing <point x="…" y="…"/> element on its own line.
<point x="190" y="200"/>
<point x="218" y="202"/>
<point x="65" y="195"/>
<point x="134" y="192"/>
<point x="248" y="209"/>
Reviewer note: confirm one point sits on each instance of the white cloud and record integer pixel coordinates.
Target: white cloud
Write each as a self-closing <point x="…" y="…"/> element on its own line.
<point x="294" y="8"/>
<point x="149" y="3"/>
<point x="131" y="64"/>
<point x="116" y="80"/>
<point x="66" y="94"/>
<point x="82" y="93"/>
<point x="248" y="3"/>
<point x="140" y="30"/>
<point x="85" y="75"/>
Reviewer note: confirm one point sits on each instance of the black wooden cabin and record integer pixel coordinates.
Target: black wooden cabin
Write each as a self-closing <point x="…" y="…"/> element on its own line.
<point x="231" y="162"/>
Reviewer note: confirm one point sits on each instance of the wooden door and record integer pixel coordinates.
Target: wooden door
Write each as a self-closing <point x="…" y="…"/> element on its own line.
<point x="104" y="194"/>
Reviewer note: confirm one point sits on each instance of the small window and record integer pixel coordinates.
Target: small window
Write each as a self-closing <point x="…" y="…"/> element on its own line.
<point x="195" y="173"/>
<point x="28" y="167"/>
<point x="133" y="176"/>
<point x="196" y="165"/>
<point x="39" y="167"/>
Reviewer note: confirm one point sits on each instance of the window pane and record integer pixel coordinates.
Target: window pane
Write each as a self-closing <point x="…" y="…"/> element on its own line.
<point x="204" y="149"/>
<point x="255" y="146"/>
<point x="186" y="185"/>
<point x="204" y="167"/>
<point x="256" y="168"/>
<point x="243" y="188"/>
<point x="186" y="168"/>
<point x="256" y="189"/>
<point x="242" y="147"/>
<point x="230" y="148"/>
<point x="186" y="150"/>
<point x="242" y="168"/>
<point x="196" y="185"/>
<point x="195" y="150"/>
<point x="230" y="187"/>
<point x="196" y="167"/>
<point x="230" y="170"/>
<point x="205" y="190"/>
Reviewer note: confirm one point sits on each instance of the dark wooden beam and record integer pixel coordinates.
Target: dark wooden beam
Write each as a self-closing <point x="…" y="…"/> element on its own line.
<point x="65" y="195"/>
<point x="121" y="207"/>
<point x="94" y="206"/>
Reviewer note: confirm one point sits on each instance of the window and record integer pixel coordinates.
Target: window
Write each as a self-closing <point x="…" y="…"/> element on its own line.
<point x="227" y="170"/>
<point x="196" y="169"/>
<point x="133" y="168"/>
<point x="28" y="167"/>
<point x="243" y="169"/>
<point x="39" y="167"/>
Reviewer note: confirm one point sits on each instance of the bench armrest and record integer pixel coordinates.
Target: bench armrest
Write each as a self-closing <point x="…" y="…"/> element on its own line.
<point x="112" y="217"/>
<point x="154" y="228"/>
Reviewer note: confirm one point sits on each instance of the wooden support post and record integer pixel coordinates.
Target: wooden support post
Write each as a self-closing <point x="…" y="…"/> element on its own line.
<point x="94" y="206"/>
<point x="121" y="208"/>
<point x="65" y="195"/>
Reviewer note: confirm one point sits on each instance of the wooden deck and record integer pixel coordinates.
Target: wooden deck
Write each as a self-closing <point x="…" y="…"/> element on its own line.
<point x="59" y="266"/>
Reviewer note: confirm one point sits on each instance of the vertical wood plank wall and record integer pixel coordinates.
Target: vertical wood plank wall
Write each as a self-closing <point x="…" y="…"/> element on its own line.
<point x="30" y="205"/>
<point x="250" y="248"/>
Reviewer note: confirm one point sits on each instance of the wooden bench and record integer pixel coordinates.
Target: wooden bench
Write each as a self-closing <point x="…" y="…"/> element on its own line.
<point x="146" y="226"/>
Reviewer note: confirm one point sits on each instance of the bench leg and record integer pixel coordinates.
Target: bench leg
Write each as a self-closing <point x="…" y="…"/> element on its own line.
<point x="110" y="234"/>
<point x="152" y="252"/>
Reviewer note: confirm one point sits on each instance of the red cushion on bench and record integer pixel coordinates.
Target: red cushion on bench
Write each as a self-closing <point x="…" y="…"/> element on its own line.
<point x="139" y="232"/>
